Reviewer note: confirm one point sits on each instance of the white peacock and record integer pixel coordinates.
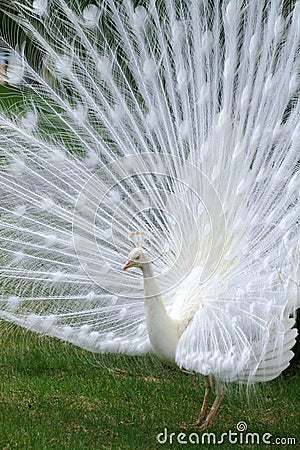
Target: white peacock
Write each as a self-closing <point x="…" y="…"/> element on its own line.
<point x="178" y="118"/>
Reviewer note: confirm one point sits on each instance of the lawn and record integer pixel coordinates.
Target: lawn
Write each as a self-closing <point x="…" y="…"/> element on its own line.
<point x="56" y="396"/>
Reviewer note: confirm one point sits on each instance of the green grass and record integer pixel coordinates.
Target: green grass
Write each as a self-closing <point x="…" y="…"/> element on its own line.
<point x="55" y="396"/>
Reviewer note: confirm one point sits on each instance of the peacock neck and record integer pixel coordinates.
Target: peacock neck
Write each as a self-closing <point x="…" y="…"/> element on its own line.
<point x="163" y="331"/>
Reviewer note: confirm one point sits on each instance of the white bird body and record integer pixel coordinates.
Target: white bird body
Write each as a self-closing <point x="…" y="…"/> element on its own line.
<point x="163" y="331"/>
<point x="180" y="119"/>
<point x="165" y="328"/>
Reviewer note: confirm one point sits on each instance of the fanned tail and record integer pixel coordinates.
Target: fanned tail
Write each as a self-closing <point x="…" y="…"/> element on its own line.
<point x="180" y="119"/>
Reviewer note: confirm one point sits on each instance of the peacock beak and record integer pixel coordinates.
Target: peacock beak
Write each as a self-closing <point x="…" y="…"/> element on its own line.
<point x="126" y="265"/>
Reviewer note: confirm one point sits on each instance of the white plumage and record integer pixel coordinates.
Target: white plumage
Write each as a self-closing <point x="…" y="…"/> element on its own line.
<point x="180" y="119"/>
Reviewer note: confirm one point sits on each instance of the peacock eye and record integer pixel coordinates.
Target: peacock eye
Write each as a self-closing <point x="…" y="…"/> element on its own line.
<point x="138" y="257"/>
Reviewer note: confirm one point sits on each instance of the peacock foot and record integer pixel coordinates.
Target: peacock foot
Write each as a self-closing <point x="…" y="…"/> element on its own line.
<point x="200" y="419"/>
<point x="206" y="424"/>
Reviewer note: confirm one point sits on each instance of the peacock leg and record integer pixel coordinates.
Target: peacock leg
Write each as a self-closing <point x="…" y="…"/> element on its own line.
<point x="213" y="411"/>
<point x="205" y="400"/>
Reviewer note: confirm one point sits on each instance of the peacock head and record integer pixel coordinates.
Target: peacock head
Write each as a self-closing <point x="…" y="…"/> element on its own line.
<point x="137" y="257"/>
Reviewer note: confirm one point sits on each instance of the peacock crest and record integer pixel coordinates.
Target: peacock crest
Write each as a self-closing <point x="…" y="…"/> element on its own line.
<point x="137" y="237"/>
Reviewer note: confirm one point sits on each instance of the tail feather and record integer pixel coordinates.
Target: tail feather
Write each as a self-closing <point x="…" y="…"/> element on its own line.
<point x="180" y="119"/>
